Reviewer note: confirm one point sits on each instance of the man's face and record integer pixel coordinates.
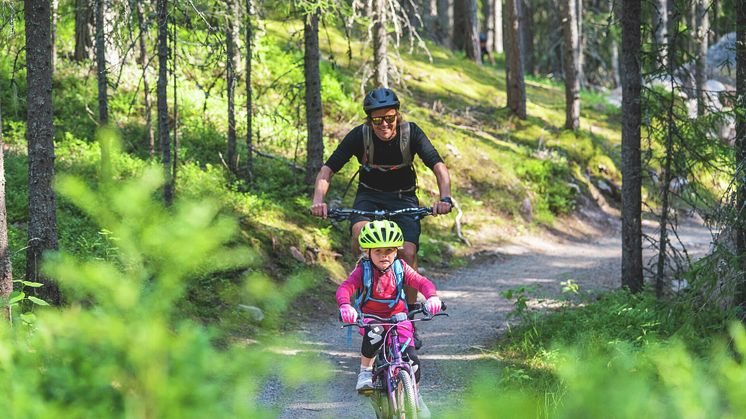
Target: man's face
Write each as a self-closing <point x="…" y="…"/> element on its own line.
<point x="384" y="130"/>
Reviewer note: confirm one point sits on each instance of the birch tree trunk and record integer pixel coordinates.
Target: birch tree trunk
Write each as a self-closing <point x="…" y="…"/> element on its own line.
<point x="660" y="25"/>
<point x="497" y="19"/>
<point x="231" y="36"/>
<point x="702" y="29"/>
<point x="42" y="224"/>
<point x="55" y="17"/>
<point x="571" y="61"/>
<point x="514" y="69"/>
<point x="631" y="164"/>
<point x="314" y="112"/>
<point x="6" y="270"/>
<point x="162" y="93"/>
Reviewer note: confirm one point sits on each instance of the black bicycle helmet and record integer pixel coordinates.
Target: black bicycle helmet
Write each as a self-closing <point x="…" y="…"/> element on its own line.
<point x="380" y="98"/>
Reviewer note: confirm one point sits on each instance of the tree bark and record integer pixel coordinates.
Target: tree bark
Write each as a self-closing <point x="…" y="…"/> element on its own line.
<point x="42" y="224"/>
<point x="555" y="40"/>
<point x="6" y="269"/>
<point x="571" y="61"/>
<point x="527" y="32"/>
<point x="83" y="24"/>
<point x="631" y="163"/>
<point x="741" y="147"/>
<point x="445" y="22"/>
<point x="497" y="19"/>
<point x="466" y="30"/>
<point x="380" y="44"/>
<point x="660" y="27"/>
<point x="703" y="29"/>
<point x="249" y="105"/>
<point x="142" y="28"/>
<point x="55" y="17"/>
<point x="103" y="103"/>
<point x="581" y="42"/>
<point x="231" y="37"/>
<point x="516" y="87"/>
<point x="162" y="93"/>
<point x="314" y="111"/>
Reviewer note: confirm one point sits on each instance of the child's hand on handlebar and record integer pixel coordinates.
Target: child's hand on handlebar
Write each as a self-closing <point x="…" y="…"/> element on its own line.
<point x="348" y="313"/>
<point x="433" y="305"/>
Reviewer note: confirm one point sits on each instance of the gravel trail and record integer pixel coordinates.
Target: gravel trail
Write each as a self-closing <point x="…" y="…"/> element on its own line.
<point x="455" y="347"/>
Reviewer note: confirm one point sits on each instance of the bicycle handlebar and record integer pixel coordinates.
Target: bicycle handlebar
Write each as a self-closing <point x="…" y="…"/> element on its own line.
<point x="399" y="317"/>
<point x="347" y="213"/>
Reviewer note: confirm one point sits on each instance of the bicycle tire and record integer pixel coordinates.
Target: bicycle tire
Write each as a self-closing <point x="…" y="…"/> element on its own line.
<point x="406" y="402"/>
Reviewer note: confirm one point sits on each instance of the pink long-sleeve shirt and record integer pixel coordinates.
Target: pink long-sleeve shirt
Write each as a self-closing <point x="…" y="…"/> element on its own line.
<point x="383" y="287"/>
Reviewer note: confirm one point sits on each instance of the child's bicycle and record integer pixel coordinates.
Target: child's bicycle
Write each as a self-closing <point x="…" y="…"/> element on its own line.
<point x="394" y="393"/>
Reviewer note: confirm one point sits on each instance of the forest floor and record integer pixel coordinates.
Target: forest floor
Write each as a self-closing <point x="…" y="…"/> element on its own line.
<point x="585" y="249"/>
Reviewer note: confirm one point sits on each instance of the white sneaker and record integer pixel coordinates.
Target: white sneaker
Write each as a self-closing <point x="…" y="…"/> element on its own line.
<point x="364" y="381"/>
<point x="422" y="410"/>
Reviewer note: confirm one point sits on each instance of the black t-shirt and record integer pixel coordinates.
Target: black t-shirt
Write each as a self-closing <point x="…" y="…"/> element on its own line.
<point x="386" y="153"/>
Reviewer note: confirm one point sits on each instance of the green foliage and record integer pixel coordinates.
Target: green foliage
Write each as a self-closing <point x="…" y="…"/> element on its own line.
<point x="549" y="181"/>
<point x="621" y="355"/>
<point x="121" y="348"/>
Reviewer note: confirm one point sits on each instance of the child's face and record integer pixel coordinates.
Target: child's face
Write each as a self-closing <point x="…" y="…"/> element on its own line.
<point x="383" y="257"/>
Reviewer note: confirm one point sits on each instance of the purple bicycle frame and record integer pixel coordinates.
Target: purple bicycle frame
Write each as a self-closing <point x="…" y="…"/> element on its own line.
<point x="390" y="369"/>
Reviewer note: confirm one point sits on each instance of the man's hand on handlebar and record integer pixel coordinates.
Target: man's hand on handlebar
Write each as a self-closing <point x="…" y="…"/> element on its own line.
<point x="320" y="210"/>
<point x="441" y="207"/>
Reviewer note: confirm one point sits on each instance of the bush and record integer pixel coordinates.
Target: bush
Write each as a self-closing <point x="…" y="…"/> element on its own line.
<point x="121" y="348"/>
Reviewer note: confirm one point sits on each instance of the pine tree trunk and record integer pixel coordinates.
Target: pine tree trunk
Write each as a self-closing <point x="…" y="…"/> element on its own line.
<point x="380" y="44"/>
<point x="231" y="66"/>
<point x="703" y="29"/>
<point x="314" y="112"/>
<point x="471" y="31"/>
<point x="249" y="105"/>
<point x="527" y="32"/>
<point x="515" y="83"/>
<point x="555" y="40"/>
<point x="571" y="61"/>
<point x="83" y="24"/>
<point x="42" y="224"/>
<point x="103" y="103"/>
<point x="741" y="146"/>
<point x="6" y="270"/>
<point x="445" y="22"/>
<point x="142" y="28"/>
<point x="631" y="163"/>
<point x="162" y="93"/>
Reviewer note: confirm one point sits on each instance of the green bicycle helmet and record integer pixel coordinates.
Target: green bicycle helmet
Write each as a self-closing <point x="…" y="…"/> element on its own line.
<point x="380" y="233"/>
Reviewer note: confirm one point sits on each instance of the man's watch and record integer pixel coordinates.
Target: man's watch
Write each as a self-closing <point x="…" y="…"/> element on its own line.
<point x="447" y="199"/>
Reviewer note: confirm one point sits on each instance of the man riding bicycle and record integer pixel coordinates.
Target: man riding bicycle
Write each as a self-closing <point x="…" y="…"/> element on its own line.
<point x="385" y="146"/>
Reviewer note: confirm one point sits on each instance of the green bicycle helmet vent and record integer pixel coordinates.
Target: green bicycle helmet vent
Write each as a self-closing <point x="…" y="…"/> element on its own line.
<point x="380" y="233"/>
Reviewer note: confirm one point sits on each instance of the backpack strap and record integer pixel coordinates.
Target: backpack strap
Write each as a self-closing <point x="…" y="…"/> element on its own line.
<point x="368" y="149"/>
<point x="365" y="294"/>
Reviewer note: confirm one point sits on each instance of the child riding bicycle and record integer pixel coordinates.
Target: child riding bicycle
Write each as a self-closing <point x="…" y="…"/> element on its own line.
<point x="377" y="286"/>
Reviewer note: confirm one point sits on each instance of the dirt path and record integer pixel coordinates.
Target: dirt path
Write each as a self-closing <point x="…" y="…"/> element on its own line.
<point x="453" y="349"/>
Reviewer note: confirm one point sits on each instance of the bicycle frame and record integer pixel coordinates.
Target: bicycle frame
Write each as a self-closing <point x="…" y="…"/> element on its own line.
<point x="386" y="374"/>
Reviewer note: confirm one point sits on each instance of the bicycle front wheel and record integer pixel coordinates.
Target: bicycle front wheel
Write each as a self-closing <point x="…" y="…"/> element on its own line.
<point x="406" y="402"/>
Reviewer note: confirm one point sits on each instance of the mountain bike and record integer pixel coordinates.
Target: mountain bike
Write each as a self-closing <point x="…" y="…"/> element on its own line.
<point x="394" y="393"/>
<point x="418" y="213"/>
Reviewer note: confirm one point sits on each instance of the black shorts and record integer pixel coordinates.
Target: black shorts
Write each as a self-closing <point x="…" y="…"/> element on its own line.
<point x="367" y="200"/>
